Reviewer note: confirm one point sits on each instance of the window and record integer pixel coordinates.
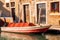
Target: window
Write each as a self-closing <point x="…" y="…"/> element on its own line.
<point x="55" y="7"/>
<point x="7" y="4"/>
<point x="41" y="13"/>
<point x="12" y="4"/>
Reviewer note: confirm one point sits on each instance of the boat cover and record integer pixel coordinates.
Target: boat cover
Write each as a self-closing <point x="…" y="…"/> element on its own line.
<point x="20" y="24"/>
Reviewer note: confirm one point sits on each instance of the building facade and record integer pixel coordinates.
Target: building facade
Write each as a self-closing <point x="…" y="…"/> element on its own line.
<point x="9" y="9"/>
<point x="34" y="11"/>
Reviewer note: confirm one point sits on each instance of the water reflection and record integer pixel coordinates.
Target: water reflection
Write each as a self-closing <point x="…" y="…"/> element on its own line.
<point x="14" y="36"/>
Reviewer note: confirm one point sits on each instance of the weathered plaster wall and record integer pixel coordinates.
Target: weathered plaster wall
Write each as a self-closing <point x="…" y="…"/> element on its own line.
<point x="51" y="19"/>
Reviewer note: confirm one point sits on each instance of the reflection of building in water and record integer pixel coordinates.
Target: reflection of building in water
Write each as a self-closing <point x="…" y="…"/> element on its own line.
<point x="35" y="11"/>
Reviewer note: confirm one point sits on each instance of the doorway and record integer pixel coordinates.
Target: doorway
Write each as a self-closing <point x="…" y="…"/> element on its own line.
<point x="26" y="13"/>
<point x="13" y="13"/>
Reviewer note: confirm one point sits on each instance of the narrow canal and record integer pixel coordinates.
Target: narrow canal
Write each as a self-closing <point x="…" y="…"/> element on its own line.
<point x="19" y="36"/>
<point x="34" y="36"/>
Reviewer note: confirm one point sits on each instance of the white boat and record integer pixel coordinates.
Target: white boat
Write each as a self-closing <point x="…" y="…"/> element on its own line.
<point x="25" y="28"/>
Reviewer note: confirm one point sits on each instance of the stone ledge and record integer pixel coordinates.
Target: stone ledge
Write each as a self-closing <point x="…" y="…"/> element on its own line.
<point x="56" y="27"/>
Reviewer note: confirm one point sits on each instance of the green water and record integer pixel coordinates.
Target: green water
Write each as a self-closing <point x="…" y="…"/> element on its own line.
<point x="15" y="36"/>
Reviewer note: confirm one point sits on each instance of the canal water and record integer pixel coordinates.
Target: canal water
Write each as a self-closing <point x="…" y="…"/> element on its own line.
<point x="34" y="36"/>
<point x="20" y="36"/>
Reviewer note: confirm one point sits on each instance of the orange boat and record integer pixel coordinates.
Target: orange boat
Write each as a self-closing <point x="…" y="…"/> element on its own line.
<point x="25" y="28"/>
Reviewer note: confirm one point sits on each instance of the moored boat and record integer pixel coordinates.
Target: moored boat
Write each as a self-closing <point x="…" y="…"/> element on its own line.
<point x="25" y="28"/>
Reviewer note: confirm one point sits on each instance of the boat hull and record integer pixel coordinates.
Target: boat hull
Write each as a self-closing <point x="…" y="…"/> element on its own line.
<point x="25" y="29"/>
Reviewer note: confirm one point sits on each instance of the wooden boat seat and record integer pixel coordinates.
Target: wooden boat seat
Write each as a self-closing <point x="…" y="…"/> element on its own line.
<point x="25" y="24"/>
<point x="31" y="24"/>
<point x="18" y="24"/>
<point x="11" y="24"/>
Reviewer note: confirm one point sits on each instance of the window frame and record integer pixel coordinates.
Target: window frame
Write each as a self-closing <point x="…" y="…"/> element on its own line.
<point x="54" y="8"/>
<point x="12" y="4"/>
<point x="54" y="13"/>
<point x="46" y="9"/>
<point x="7" y="5"/>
